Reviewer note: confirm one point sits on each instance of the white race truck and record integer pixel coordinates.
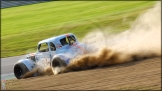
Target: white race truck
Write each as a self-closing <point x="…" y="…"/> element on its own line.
<point x="55" y="52"/>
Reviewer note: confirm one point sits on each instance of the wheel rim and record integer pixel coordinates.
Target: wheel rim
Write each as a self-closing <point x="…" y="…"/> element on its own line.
<point x="18" y="72"/>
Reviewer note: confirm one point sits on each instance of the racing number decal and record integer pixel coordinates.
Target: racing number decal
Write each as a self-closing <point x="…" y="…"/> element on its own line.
<point x="45" y="61"/>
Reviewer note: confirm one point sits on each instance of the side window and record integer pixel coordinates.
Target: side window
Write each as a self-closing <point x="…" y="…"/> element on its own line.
<point x="63" y="41"/>
<point x="52" y="47"/>
<point x="43" y="47"/>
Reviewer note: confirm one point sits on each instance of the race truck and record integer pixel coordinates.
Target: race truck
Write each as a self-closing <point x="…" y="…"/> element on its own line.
<point x="55" y="52"/>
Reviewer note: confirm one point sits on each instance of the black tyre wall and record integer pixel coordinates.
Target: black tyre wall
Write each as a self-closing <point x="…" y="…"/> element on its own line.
<point x="58" y="62"/>
<point x="19" y="70"/>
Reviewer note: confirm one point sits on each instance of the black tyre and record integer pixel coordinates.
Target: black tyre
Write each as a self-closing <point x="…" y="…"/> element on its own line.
<point x="19" y="70"/>
<point x="58" y="62"/>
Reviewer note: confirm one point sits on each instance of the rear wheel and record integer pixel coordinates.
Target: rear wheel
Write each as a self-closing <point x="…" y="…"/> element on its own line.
<point x="19" y="70"/>
<point x="57" y="65"/>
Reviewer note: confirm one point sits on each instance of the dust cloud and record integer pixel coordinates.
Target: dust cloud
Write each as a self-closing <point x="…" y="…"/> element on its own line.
<point x="39" y="72"/>
<point x="141" y="41"/>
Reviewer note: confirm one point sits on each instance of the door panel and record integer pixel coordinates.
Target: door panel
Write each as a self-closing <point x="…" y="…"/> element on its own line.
<point x="44" y="59"/>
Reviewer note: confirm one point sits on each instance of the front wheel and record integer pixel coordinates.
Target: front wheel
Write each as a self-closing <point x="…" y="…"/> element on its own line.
<point x="19" y="70"/>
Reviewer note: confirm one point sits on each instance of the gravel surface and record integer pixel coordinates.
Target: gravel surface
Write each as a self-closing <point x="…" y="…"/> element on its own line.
<point x="144" y="74"/>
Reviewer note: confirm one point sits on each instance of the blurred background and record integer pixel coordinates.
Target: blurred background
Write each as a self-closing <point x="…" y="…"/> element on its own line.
<point x="25" y="23"/>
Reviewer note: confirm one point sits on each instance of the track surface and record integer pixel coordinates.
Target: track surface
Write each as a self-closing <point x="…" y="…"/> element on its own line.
<point x="144" y="74"/>
<point x="8" y="63"/>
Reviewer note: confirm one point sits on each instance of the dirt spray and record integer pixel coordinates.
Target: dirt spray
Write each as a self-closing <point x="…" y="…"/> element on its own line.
<point x="141" y="41"/>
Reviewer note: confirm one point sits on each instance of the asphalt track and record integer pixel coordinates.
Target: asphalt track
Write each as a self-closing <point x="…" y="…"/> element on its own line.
<point x="144" y="74"/>
<point x="8" y="63"/>
<point x="7" y="67"/>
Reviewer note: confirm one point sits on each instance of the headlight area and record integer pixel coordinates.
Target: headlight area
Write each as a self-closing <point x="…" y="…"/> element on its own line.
<point x="31" y="58"/>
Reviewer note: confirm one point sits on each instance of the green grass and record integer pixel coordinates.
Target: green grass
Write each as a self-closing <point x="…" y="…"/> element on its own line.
<point x="23" y="27"/>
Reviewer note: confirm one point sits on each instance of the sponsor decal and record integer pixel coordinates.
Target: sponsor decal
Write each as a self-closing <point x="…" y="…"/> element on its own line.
<point x="58" y="46"/>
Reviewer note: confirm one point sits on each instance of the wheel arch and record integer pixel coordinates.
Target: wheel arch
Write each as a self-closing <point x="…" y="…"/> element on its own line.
<point x="28" y="63"/>
<point x="62" y="57"/>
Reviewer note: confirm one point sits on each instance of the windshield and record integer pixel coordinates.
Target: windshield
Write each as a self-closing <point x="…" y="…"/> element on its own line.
<point x="68" y="40"/>
<point x="71" y="39"/>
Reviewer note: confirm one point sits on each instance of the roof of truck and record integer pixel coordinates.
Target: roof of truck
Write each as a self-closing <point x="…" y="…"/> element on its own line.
<point x="54" y="38"/>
